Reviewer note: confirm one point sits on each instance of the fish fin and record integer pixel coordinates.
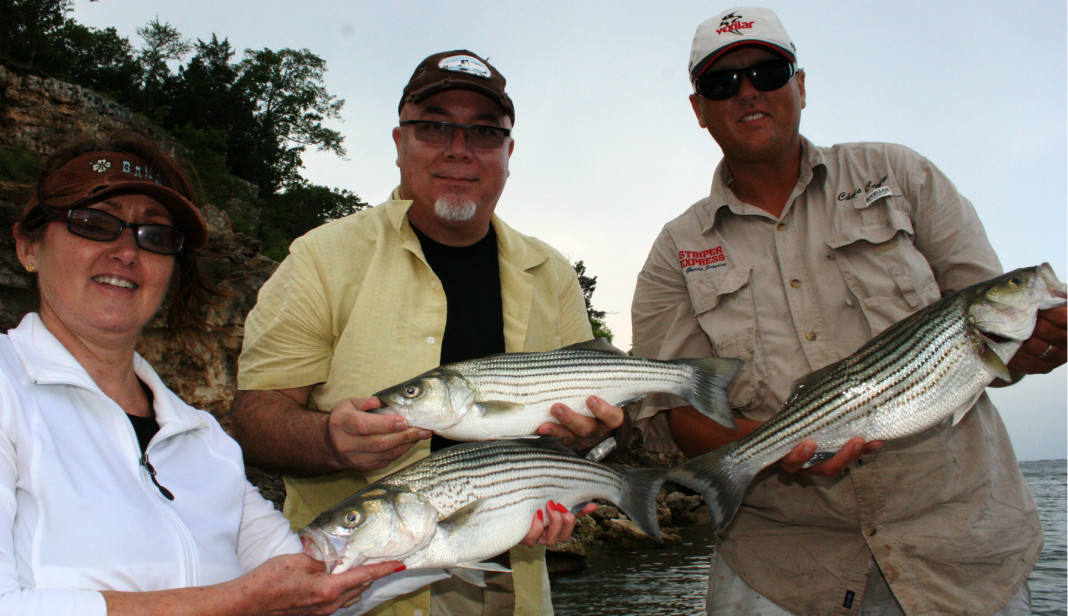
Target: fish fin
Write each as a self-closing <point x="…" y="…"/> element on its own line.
<point x="638" y="501"/>
<point x="489" y="407"/>
<point x="719" y="479"/>
<point x="712" y="377"/>
<point x="475" y="573"/>
<point x="963" y="409"/>
<point x="597" y="344"/>
<point x="994" y="364"/>
<point x="819" y="456"/>
<point x="460" y="516"/>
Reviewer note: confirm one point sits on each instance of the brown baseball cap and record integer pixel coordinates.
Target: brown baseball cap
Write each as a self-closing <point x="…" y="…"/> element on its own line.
<point x="459" y="69"/>
<point x="94" y="176"/>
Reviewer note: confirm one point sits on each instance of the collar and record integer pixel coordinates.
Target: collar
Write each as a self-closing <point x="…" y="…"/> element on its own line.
<point x="514" y="247"/>
<point x="720" y="196"/>
<point x="47" y="362"/>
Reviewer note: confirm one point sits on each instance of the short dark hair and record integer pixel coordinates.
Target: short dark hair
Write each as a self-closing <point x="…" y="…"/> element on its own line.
<point x="189" y="293"/>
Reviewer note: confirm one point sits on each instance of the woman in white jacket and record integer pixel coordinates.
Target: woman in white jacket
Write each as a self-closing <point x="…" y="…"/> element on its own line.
<point x="115" y="496"/>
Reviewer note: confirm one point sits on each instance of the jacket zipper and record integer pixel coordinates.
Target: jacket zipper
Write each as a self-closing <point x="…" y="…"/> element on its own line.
<point x="152" y="475"/>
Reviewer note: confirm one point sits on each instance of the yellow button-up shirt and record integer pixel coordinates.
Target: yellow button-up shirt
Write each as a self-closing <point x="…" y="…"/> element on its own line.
<point x="355" y="308"/>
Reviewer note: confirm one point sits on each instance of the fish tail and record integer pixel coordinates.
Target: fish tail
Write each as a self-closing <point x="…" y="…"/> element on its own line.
<point x="718" y="478"/>
<point x="708" y="391"/>
<point x="638" y="501"/>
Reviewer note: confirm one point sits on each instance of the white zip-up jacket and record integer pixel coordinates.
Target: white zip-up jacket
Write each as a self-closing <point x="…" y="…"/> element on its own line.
<point x="79" y="511"/>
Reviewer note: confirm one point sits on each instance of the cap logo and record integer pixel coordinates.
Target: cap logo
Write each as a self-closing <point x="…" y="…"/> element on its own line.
<point x="732" y="23"/>
<point x="465" y="64"/>
<point x="100" y="166"/>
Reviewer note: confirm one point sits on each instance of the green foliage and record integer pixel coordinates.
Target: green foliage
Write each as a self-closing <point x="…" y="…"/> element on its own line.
<point x="299" y="209"/>
<point x="18" y="166"/>
<point x="28" y="30"/>
<point x="589" y="285"/>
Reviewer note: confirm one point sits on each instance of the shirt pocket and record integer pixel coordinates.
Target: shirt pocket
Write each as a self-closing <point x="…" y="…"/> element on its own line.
<point x="881" y="265"/>
<point x="722" y="303"/>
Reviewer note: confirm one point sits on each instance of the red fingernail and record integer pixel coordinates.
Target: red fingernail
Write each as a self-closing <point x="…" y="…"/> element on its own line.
<point x="560" y="507"/>
<point x="540" y="516"/>
<point x="399" y="569"/>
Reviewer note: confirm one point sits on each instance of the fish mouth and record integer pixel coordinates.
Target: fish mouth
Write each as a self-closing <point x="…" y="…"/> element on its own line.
<point x="318" y="546"/>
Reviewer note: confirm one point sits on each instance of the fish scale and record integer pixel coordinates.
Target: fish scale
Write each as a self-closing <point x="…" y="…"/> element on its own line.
<point x="922" y="370"/>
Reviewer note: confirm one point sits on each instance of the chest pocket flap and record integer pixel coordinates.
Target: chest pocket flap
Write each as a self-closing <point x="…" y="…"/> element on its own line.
<point x="708" y="289"/>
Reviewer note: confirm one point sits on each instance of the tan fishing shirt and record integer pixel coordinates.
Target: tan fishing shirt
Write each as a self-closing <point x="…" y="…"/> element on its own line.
<point x="355" y="308"/>
<point x="871" y="233"/>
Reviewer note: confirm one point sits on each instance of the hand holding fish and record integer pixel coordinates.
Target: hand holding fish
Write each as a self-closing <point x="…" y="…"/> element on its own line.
<point x="800" y="457"/>
<point x="306" y="585"/>
<point x="580" y="432"/>
<point x="561" y="524"/>
<point x="368" y="441"/>
<point x="1045" y="349"/>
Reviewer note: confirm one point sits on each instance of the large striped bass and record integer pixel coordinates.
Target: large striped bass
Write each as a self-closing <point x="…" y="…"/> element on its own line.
<point x="928" y="367"/>
<point x="466" y="503"/>
<point x="510" y="394"/>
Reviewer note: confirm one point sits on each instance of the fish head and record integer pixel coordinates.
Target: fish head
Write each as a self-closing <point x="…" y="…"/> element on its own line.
<point x="434" y="400"/>
<point x="374" y="525"/>
<point x="1003" y="311"/>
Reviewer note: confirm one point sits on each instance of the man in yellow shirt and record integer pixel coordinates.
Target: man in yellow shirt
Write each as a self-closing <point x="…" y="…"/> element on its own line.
<point x="430" y="276"/>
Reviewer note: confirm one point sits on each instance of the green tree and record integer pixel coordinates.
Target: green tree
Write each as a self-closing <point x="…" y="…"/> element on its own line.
<point x="100" y="60"/>
<point x="28" y="29"/>
<point x="291" y="103"/>
<point x="162" y="43"/>
<point x="301" y="208"/>
<point x="589" y="285"/>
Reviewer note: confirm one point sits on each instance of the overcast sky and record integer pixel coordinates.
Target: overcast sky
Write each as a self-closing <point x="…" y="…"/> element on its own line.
<point x="607" y="148"/>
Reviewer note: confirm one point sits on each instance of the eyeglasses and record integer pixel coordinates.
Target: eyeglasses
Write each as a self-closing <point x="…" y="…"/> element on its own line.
<point x="100" y="226"/>
<point x="437" y="132"/>
<point x="765" y="76"/>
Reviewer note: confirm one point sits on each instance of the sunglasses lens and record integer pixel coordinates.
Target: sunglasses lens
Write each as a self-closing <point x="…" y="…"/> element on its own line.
<point x="160" y="239"/>
<point x="719" y="85"/>
<point x="772" y="75"/>
<point x="766" y="76"/>
<point x="485" y="136"/>
<point x="94" y="225"/>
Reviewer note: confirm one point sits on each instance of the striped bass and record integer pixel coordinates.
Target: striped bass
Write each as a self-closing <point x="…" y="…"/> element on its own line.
<point x="928" y="367"/>
<point x="469" y="502"/>
<point x="510" y="394"/>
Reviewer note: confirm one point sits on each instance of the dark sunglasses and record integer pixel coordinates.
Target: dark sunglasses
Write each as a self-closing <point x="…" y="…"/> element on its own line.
<point x="765" y="76"/>
<point x="437" y="132"/>
<point x="100" y="226"/>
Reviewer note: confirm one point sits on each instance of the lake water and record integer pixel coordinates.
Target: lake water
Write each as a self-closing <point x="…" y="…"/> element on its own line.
<point x="650" y="582"/>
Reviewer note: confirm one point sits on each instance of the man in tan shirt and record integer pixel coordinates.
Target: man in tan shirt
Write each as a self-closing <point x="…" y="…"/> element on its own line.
<point x="798" y="256"/>
<point x="430" y="276"/>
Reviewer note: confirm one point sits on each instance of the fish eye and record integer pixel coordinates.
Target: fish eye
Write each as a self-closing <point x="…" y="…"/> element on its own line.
<point x="1015" y="281"/>
<point x="412" y="390"/>
<point x="351" y="519"/>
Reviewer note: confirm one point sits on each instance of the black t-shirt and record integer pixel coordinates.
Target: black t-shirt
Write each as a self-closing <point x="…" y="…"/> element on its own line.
<point x="474" y="322"/>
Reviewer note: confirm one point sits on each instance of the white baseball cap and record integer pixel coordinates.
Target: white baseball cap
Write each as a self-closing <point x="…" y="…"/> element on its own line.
<point x="734" y="28"/>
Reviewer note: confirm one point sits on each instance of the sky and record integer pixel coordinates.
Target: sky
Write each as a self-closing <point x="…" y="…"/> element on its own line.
<point x="607" y="148"/>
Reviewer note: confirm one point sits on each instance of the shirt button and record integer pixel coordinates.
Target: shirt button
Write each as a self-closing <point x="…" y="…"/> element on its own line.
<point x="850" y="302"/>
<point x="781" y="226"/>
<point x="430" y="340"/>
<point x="795" y="283"/>
<point x="417" y="613"/>
<point x="810" y="336"/>
<point x="433" y="284"/>
<point x="870" y="531"/>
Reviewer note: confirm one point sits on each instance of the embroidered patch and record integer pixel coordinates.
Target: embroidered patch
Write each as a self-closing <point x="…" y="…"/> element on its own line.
<point x="699" y="261"/>
<point x="100" y="166"/>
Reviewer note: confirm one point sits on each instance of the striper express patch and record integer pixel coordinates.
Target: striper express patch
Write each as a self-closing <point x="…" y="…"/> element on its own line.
<point x="699" y="261"/>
